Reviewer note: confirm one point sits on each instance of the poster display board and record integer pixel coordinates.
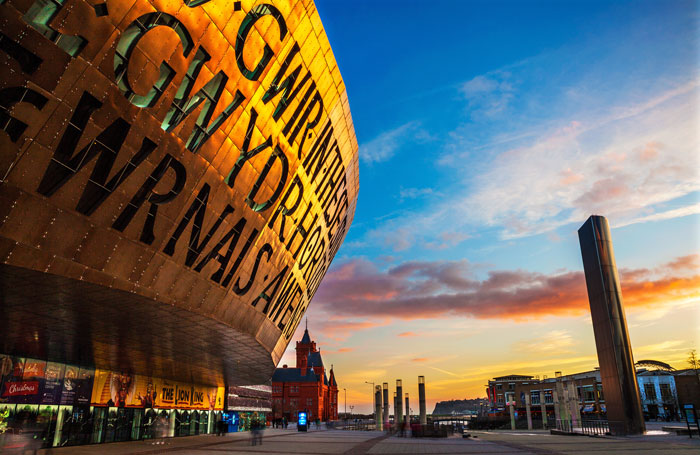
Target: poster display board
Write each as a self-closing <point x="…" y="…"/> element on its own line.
<point x="137" y="391"/>
<point x="32" y="381"/>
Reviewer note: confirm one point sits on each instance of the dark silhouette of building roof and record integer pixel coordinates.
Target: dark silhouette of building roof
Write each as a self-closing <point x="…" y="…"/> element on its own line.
<point x="294" y="375"/>
<point x="332" y="379"/>
<point x="654" y="364"/>
<point x="306" y="339"/>
<point x="314" y="359"/>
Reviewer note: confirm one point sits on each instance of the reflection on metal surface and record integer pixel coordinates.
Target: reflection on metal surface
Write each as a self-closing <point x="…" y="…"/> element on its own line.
<point x="610" y="328"/>
<point x="176" y="179"/>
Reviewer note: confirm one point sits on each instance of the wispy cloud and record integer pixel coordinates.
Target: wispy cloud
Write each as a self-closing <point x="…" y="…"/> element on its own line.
<point x="384" y="147"/>
<point x="488" y="94"/>
<point x="554" y="342"/>
<point x="414" y="193"/>
<point x="660" y="216"/>
<point x="407" y="334"/>
<point x="625" y="161"/>
<point x="620" y="165"/>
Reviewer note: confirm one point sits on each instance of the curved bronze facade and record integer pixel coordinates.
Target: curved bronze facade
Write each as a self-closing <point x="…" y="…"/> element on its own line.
<point x="177" y="177"/>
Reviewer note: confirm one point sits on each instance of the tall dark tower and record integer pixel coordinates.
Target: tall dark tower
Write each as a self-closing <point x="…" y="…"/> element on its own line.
<point x="610" y="328"/>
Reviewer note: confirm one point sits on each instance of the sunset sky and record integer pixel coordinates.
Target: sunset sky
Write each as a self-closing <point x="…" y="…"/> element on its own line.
<point x="489" y="132"/>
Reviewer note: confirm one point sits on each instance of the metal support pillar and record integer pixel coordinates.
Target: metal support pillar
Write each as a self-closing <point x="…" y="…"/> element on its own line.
<point x="385" y="396"/>
<point x="378" y="407"/>
<point x="612" y="341"/>
<point x="421" y="400"/>
<point x="408" y="411"/>
<point x="399" y="406"/>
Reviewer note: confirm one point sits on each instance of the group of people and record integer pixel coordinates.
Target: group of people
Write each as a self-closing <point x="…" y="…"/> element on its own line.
<point x="280" y="423"/>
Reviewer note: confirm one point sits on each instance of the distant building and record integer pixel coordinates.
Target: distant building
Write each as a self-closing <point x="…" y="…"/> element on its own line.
<point x="663" y="391"/>
<point x="513" y="388"/>
<point x="657" y="390"/>
<point x="306" y="387"/>
<point x="688" y="387"/>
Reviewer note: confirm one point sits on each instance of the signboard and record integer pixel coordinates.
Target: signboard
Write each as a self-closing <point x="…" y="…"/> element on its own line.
<point x="689" y="411"/>
<point x="691" y="418"/>
<point x="21" y="388"/>
<point x="302" y="421"/>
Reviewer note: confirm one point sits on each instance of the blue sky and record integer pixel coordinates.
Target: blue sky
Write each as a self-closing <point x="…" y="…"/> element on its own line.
<point x="488" y="132"/>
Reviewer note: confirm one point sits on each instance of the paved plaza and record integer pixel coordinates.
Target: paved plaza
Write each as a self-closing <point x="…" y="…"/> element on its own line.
<point x="369" y="442"/>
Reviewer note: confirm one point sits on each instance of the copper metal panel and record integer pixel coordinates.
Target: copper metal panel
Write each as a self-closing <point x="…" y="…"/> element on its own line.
<point x="141" y="200"/>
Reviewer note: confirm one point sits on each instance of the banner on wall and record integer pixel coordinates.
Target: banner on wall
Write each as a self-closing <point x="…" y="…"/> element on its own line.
<point x="53" y="383"/>
<point x="31" y="381"/>
<point x="137" y="391"/>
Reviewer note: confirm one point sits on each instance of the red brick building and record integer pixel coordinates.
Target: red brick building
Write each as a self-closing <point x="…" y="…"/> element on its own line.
<point x="306" y="387"/>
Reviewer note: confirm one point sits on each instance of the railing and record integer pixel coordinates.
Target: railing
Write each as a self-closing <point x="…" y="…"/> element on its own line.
<point x="564" y="425"/>
<point x="355" y="425"/>
<point x="595" y="427"/>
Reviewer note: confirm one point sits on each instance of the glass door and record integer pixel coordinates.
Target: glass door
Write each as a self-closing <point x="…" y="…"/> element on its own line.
<point x="99" y="424"/>
<point x="184" y="423"/>
<point x="111" y="425"/>
<point x="46" y="424"/>
<point x="204" y="422"/>
<point x="137" y="424"/>
<point x="149" y="424"/>
<point x="122" y="431"/>
<point x="194" y="423"/>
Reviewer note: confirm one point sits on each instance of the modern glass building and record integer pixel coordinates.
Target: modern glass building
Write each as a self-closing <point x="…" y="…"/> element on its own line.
<point x="176" y="179"/>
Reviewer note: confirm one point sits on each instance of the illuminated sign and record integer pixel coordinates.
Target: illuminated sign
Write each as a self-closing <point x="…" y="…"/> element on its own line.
<point x="198" y="153"/>
<point x="302" y="419"/>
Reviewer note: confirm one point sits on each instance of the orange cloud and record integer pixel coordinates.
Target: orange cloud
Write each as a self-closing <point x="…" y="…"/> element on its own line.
<point x="407" y="334"/>
<point x="443" y="289"/>
<point x="420" y="359"/>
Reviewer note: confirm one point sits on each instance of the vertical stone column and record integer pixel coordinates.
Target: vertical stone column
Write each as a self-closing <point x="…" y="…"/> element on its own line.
<point x="396" y="417"/>
<point x="574" y="406"/>
<point x="378" y="407"/>
<point x="385" y="395"/>
<point x="399" y="406"/>
<point x="561" y="402"/>
<point x="610" y="328"/>
<point x="555" y="398"/>
<point x="543" y="410"/>
<point x="421" y="400"/>
<point x="527" y="410"/>
<point x="512" y="415"/>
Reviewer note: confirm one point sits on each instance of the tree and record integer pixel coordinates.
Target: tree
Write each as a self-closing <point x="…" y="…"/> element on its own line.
<point x="693" y="360"/>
